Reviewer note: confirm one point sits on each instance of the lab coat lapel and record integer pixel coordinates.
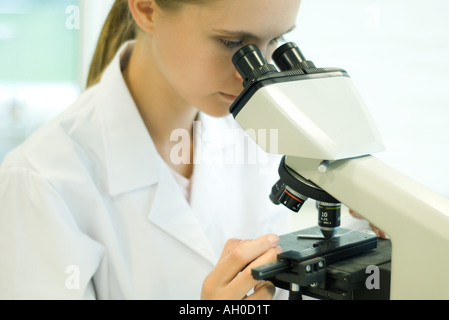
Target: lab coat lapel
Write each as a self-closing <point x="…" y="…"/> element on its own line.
<point x="131" y="159"/>
<point x="171" y="212"/>
<point x="207" y="201"/>
<point x="208" y="194"/>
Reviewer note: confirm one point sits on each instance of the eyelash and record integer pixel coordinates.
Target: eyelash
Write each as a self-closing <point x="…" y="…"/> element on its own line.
<point x="231" y="44"/>
<point x="237" y="44"/>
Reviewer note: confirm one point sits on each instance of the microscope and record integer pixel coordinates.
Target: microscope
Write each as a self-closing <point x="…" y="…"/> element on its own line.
<point x="327" y="137"/>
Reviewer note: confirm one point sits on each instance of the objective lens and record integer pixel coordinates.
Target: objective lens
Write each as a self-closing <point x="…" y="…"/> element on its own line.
<point x="289" y="57"/>
<point x="328" y="218"/>
<point x="251" y="63"/>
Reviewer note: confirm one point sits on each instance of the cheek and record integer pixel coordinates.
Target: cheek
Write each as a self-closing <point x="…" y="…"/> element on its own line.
<point x="214" y="72"/>
<point x="187" y="66"/>
<point x="197" y="72"/>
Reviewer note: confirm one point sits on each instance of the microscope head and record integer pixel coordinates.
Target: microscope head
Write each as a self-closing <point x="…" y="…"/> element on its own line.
<point x="317" y="114"/>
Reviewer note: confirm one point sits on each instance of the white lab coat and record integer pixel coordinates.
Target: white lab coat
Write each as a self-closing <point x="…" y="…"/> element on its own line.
<point x="88" y="209"/>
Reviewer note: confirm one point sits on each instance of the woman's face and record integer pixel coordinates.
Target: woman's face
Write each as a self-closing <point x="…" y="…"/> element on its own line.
<point x="194" y="45"/>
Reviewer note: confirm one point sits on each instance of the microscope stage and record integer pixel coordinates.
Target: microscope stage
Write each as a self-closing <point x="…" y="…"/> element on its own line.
<point x="310" y="243"/>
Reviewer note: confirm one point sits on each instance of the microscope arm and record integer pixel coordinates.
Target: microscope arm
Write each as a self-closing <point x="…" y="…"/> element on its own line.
<point x="415" y="218"/>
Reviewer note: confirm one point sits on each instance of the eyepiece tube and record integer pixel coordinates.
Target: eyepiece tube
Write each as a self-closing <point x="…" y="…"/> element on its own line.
<point x="289" y="57"/>
<point x="251" y="64"/>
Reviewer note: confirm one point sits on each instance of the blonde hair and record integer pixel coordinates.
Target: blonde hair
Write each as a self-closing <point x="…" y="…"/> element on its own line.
<point x="119" y="28"/>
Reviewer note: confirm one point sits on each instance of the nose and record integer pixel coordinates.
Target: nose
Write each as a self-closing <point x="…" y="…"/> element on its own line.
<point x="266" y="49"/>
<point x="268" y="53"/>
<point x="237" y="75"/>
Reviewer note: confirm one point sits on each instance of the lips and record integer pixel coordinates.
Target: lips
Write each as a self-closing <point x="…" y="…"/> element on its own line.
<point x="229" y="97"/>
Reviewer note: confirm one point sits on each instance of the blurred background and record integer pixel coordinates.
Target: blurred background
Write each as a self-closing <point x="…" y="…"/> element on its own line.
<point x="396" y="51"/>
<point x="45" y="52"/>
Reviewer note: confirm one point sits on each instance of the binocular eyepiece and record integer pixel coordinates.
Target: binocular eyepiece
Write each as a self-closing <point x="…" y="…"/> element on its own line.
<point x="251" y="63"/>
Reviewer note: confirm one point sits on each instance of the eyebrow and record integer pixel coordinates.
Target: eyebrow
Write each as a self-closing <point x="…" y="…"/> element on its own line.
<point x="244" y="34"/>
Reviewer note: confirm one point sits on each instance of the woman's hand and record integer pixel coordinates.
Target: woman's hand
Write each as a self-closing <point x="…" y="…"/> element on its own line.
<point x="376" y="230"/>
<point x="231" y="279"/>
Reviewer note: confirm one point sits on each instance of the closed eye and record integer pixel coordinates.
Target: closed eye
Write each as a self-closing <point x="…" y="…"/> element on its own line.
<point x="235" y="39"/>
<point x="231" y="44"/>
<point x="237" y="44"/>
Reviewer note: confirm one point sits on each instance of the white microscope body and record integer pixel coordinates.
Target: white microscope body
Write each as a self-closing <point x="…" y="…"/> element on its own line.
<point x="327" y="135"/>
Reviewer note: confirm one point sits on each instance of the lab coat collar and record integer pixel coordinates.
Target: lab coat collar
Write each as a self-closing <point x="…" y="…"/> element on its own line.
<point x="132" y="160"/>
<point x="171" y="212"/>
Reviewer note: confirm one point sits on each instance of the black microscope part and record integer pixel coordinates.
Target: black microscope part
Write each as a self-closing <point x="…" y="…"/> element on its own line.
<point x="289" y="57"/>
<point x="328" y="218"/>
<point x="251" y="64"/>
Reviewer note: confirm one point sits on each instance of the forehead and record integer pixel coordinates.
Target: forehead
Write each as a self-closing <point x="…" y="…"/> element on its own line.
<point x="263" y="18"/>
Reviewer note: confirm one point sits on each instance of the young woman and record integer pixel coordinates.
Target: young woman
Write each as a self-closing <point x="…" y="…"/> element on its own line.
<point x="97" y="204"/>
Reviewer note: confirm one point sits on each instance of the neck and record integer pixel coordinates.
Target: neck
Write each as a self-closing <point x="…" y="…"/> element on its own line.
<point x="160" y="107"/>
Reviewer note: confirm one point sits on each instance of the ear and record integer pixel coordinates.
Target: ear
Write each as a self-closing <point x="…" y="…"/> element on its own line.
<point x="143" y="12"/>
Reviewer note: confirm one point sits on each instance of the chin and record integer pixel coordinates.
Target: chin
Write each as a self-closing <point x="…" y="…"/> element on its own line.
<point x="218" y="114"/>
<point x="219" y="110"/>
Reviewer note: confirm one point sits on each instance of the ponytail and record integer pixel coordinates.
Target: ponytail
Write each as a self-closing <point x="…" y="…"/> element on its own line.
<point x="118" y="28"/>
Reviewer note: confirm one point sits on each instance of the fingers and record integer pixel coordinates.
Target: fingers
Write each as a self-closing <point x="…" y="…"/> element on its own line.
<point x="237" y="257"/>
<point x="231" y="278"/>
<point x="355" y="214"/>
<point x="244" y="281"/>
<point x="229" y="246"/>
<point x="379" y="233"/>
<point x="264" y="290"/>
